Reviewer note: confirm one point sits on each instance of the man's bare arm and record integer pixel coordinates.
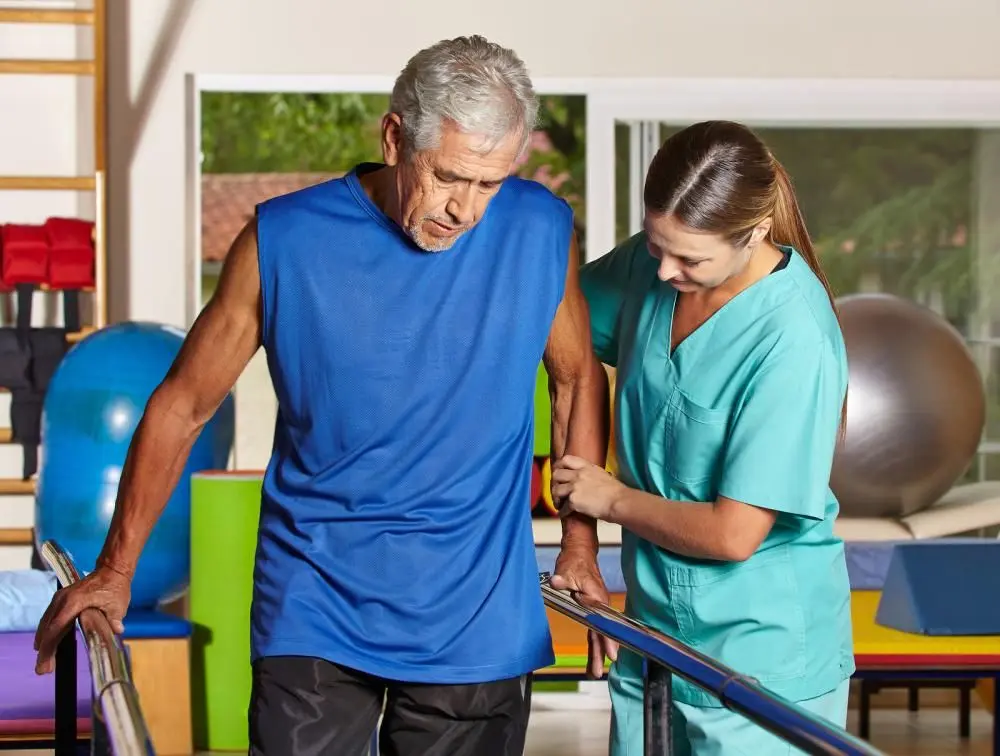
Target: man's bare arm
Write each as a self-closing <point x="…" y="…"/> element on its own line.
<point x="579" y="388"/>
<point x="220" y="344"/>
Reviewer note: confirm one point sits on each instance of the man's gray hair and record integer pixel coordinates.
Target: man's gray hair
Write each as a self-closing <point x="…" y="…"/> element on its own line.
<point x="482" y="87"/>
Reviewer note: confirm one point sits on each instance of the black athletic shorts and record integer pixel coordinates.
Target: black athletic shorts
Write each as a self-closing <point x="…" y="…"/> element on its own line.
<point x="301" y="706"/>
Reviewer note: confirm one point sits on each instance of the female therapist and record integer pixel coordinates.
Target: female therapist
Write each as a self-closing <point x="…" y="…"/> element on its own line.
<point x="730" y="390"/>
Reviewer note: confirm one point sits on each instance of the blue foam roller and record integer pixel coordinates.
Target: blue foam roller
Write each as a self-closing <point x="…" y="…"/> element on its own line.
<point x="149" y="624"/>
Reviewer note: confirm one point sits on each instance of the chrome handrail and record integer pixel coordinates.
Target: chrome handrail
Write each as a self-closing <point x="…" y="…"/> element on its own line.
<point x="116" y="701"/>
<point x="736" y="692"/>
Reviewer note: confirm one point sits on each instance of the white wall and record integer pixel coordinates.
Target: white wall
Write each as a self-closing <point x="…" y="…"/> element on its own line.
<point x="167" y="39"/>
<point x="159" y="42"/>
<point x="154" y="44"/>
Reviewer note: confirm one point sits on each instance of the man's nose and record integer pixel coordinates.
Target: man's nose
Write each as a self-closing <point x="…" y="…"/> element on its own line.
<point x="462" y="206"/>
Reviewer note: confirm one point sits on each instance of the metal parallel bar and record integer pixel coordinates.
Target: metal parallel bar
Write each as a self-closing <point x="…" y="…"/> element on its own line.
<point x="116" y="701"/>
<point x="657" y="705"/>
<point x="100" y="744"/>
<point x="801" y="728"/>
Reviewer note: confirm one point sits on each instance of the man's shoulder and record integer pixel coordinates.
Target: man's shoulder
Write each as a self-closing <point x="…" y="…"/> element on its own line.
<point x="534" y="198"/>
<point x="306" y="196"/>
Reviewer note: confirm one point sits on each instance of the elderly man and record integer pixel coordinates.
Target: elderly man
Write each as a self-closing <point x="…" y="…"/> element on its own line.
<point x="404" y="309"/>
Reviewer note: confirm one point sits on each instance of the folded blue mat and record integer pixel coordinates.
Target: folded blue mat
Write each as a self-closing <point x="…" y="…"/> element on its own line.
<point x="608" y="560"/>
<point x="24" y="597"/>
<point x="143" y="624"/>
<point x="867" y="564"/>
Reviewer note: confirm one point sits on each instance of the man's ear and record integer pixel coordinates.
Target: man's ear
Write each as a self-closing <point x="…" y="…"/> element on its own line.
<point x="392" y="139"/>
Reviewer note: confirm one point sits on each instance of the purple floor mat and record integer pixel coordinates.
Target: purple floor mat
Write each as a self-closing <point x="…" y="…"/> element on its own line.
<point x="25" y="695"/>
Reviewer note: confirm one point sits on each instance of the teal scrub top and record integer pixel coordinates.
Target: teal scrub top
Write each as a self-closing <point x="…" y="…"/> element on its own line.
<point x="748" y="407"/>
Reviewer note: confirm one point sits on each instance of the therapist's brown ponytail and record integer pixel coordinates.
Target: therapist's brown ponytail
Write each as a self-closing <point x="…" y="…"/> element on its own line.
<point x="788" y="227"/>
<point x="719" y="177"/>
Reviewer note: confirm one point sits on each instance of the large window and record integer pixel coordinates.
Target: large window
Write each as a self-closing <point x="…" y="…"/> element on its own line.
<point x="260" y="138"/>
<point x="899" y="180"/>
<point x="256" y="145"/>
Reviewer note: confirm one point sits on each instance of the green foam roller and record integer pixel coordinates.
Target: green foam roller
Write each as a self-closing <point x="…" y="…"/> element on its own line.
<point x="225" y="508"/>
<point x="543" y="413"/>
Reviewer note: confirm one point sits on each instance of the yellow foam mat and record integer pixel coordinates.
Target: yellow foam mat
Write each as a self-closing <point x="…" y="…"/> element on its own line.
<point x="870" y="638"/>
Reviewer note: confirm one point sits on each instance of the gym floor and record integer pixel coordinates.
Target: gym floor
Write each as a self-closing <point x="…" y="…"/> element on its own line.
<point x="929" y="732"/>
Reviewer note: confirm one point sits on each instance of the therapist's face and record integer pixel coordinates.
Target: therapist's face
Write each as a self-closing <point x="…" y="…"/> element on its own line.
<point x="691" y="260"/>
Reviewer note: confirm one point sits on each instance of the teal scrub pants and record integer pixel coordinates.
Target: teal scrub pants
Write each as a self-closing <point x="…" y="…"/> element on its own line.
<point x="704" y="731"/>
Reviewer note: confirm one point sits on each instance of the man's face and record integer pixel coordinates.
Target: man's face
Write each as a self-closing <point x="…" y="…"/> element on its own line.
<point x="443" y="192"/>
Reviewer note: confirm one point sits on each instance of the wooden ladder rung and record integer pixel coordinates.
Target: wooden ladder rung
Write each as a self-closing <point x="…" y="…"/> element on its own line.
<point x="84" y="289"/>
<point x="16" y="537"/>
<point x="16" y="487"/>
<point x="82" y="67"/>
<point x="76" y="336"/>
<point x="45" y="16"/>
<point x="74" y="183"/>
<point x="6" y="434"/>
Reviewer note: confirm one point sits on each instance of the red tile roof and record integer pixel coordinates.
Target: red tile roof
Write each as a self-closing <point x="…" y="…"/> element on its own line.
<point x="228" y="200"/>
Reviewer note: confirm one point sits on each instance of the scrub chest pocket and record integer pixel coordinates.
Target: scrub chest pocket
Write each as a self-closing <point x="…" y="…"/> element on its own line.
<point x="690" y="443"/>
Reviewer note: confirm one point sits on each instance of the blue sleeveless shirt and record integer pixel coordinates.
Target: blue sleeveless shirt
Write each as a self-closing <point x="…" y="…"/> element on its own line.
<point x="395" y="534"/>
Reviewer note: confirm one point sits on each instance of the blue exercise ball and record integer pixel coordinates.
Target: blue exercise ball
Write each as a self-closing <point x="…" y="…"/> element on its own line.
<point x="92" y="406"/>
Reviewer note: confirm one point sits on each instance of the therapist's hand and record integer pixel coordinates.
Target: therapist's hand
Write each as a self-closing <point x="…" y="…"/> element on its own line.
<point x="576" y="570"/>
<point x="581" y="486"/>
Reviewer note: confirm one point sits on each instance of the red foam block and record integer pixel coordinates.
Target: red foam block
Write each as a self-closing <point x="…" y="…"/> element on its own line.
<point x="71" y="253"/>
<point x="24" y="252"/>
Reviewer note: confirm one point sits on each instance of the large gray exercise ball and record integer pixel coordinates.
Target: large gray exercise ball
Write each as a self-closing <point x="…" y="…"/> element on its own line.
<point x="915" y="408"/>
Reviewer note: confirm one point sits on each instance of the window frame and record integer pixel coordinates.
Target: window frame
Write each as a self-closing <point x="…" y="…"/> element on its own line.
<point x="770" y="103"/>
<point x="777" y="102"/>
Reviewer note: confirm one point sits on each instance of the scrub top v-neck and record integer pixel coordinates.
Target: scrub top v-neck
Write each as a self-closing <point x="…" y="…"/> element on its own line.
<point x="676" y="403"/>
<point x="746" y="407"/>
